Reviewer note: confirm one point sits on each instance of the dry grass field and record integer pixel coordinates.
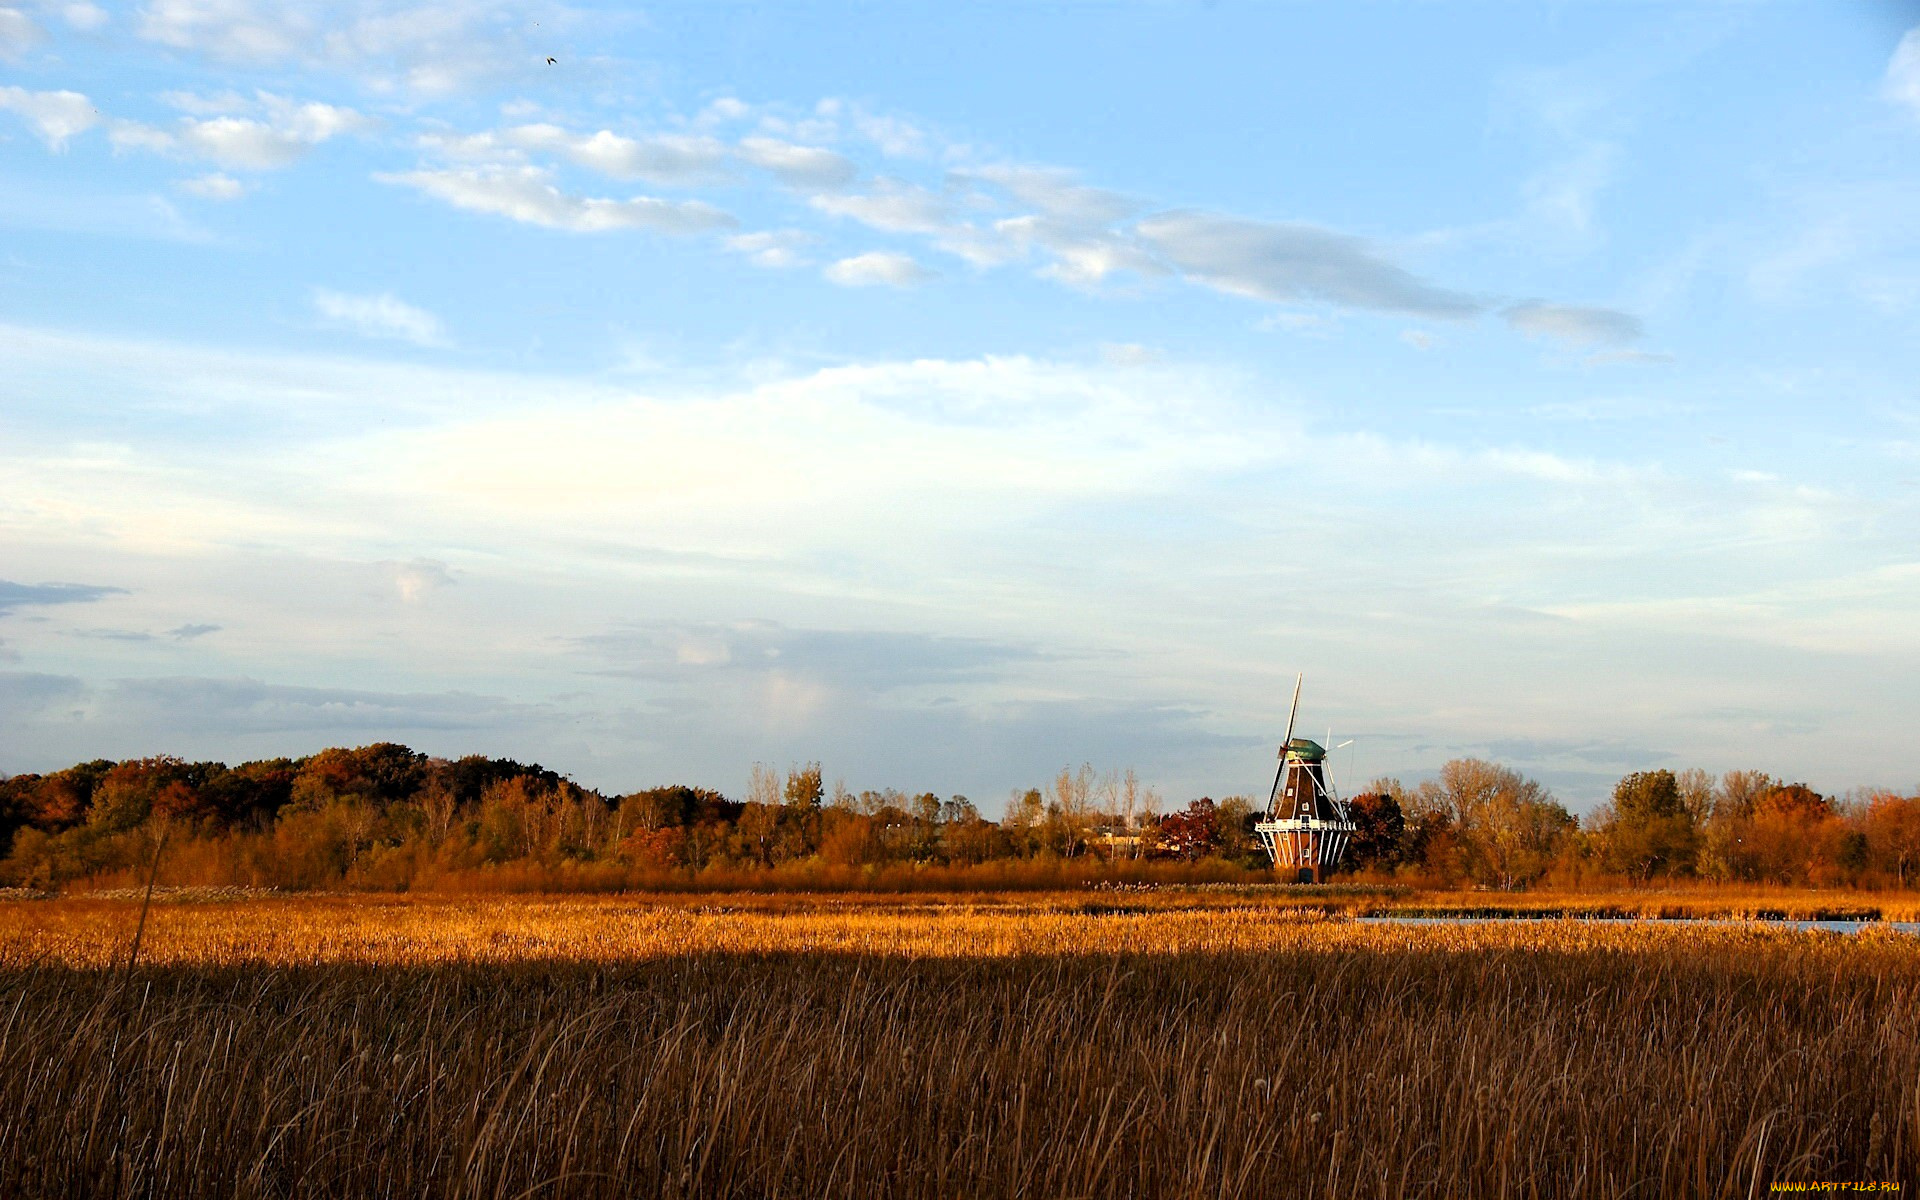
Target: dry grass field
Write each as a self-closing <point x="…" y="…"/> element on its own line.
<point x="1202" y="1044"/>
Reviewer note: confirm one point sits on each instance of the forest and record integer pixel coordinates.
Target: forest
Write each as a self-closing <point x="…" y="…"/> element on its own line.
<point x="388" y="818"/>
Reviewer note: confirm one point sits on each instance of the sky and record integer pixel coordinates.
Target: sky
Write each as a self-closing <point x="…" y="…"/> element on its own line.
<point x="955" y="393"/>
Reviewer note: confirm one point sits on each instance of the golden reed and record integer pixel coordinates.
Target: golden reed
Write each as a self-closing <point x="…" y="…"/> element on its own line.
<point x="986" y="1046"/>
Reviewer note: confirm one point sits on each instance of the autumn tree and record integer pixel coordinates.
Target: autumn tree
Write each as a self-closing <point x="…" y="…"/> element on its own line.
<point x="125" y="794"/>
<point x="1234" y="820"/>
<point x="1892" y="827"/>
<point x="800" y="804"/>
<point x="1381" y="828"/>
<point x="1192" y="832"/>
<point x="1025" y="822"/>
<point x="1787" y="823"/>
<point x="1505" y="827"/>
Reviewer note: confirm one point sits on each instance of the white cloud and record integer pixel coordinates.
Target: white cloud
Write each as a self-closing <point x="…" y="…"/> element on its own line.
<point x="526" y="194"/>
<point x="667" y="160"/>
<point x="1129" y="354"/>
<point x="1902" y="85"/>
<point x="726" y="108"/>
<point x="215" y="186"/>
<point x="415" y="580"/>
<point x="774" y="248"/>
<point x="18" y="34"/>
<point x="1081" y="256"/>
<point x="486" y="147"/>
<point x="1574" y="324"/>
<point x="55" y="116"/>
<point x="1075" y="234"/>
<point x="799" y="166"/>
<point x="235" y="142"/>
<point x="878" y="267"/>
<point x="1419" y="339"/>
<point x="283" y="133"/>
<point x="433" y="48"/>
<point x="379" y="316"/>
<point x="311" y="121"/>
<point x="894" y="136"/>
<point x="229" y="29"/>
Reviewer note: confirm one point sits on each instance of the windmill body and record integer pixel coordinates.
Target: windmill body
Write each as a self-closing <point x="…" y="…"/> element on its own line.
<point x="1306" y="826"/>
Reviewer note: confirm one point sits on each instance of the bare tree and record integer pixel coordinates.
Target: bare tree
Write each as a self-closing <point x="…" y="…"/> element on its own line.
<point x="763" y="786"/>
<point x="1072" y="807"/>
<point x="1698" y="792"/>
<point x="439" y="803"/>
<point x="1741" y="791"/>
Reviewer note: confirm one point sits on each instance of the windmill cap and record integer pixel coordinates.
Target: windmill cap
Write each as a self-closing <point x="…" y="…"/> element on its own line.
<point x="1306" y="749"/>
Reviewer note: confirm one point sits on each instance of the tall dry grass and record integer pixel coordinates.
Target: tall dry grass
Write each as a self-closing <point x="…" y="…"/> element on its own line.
<point x="600" y="1048"/>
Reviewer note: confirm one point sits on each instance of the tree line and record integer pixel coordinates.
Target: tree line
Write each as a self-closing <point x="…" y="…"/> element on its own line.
<point x="386" y="817"/>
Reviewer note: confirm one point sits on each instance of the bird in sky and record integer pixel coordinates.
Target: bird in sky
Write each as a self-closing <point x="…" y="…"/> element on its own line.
<point x="551" y="60"/>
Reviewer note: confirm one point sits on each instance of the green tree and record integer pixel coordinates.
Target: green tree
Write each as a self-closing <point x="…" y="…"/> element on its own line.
<point x="1648" y="830"/>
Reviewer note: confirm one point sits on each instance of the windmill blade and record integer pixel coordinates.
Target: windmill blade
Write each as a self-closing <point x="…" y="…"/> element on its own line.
<point x="1294" y="711"/>
<point x="1281" y="774"/>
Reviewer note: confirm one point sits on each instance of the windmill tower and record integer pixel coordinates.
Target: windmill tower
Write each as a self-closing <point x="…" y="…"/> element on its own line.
<point x="1306" y="825"/>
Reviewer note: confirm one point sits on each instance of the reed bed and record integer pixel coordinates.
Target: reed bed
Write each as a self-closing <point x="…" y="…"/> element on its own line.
<point x="596" y="1047"/>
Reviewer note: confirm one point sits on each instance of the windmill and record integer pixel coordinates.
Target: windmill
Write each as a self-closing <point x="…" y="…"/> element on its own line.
<point x="1306" y="825"/>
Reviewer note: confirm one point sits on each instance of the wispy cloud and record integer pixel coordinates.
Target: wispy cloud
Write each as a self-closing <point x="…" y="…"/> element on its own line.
<point x="83" y="15"/>
<point x="1574" y="324"/>
<point x="1902" y="83"/>
<point x="1058" y="193"/>
<point x="527" y="194"/>
<point x="869" y="659"/>
<point x="214" y="186"/>
<point x="798" y="166"/>
<point x="778" y="248"/>
<point x="893" y="206"/>
<point x="379" y="315"/>
<point x="22" y="595"/>
<point x="672" y="160"/>
<point x="421" y="49"/>
<point x="1292" y="261"/>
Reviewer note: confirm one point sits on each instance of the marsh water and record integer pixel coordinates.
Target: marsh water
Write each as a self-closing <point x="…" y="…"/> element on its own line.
<point x="1819" y="926"/>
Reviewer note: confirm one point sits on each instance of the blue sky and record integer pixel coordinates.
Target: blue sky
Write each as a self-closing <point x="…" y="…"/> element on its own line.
<point x="954" y="393"/>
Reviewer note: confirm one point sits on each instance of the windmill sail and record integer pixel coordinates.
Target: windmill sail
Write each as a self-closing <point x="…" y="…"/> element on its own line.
<point x="1281" y="773"/>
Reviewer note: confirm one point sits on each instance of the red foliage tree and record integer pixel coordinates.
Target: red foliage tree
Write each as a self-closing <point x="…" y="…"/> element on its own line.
<point x="1193" y="832"/>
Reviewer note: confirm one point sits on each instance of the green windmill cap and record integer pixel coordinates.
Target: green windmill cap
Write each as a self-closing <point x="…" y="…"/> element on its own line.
<point x="1306" y="750"/>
